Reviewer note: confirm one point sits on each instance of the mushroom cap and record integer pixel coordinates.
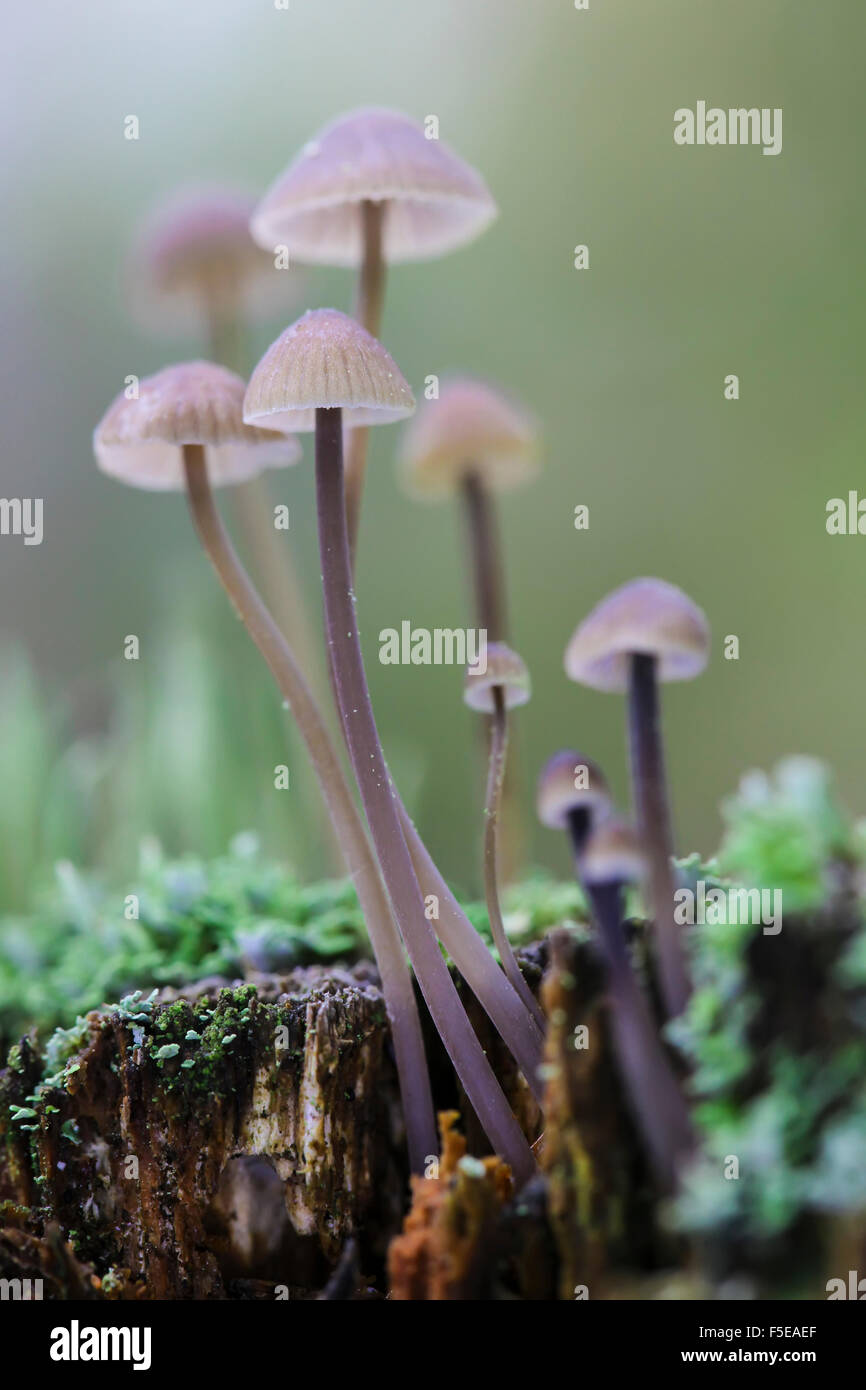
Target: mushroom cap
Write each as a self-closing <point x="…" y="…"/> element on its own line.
<point x="140" y="441"/>
<point x="323" y="361"/>
<point x="435" y="200"/>
<point x="557" y="794"/>
<point x="613" y="854"/>
<point x="472" y="426"/>
<point x="648" y="617"/>
<point x="195" y="250"/>
<point x="504" y="668"/>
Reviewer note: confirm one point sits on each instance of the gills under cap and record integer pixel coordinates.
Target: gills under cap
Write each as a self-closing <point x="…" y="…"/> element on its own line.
<point x="140" y="440"/>
<point x="504" y="669"/>
<point x="645" y="617"/>
<point x="435" y="200"/>
<point x="324" y="361"/>
<point x="472" y="427"/>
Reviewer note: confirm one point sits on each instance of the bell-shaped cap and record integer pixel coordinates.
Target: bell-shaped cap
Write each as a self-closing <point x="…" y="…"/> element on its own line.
<point x="471" y="428"/>
<point x="323" y="361"/>
<point x="569" y="781"/>
<point x="435" y="201"/>
<point x="140" y="440"/>
<point x="644" y="617"/>
<point x="195" y="257"/>
<point x="505" y="669"/>
<point x="613" y="854"/>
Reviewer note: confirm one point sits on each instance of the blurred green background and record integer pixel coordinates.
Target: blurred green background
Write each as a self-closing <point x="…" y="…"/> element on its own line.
<point x="702" y="262"/>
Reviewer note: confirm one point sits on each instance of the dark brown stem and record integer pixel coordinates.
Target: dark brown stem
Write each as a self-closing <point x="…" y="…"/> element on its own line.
<point x="652" y="812"/>
<point x="396" y="979"/>
<point x="485" y="557"/>
<point x="377" y="795"/>
<point x="654" y="1094"/>
<point x="368" y="312"/>
<point x="495" y="779"/>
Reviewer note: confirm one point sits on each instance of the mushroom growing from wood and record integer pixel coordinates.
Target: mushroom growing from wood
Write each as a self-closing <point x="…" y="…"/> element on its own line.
<point x="374" y="187"/>
<point x="186" y="430"/>
<point x="323" y="367"/>
<point x="646" y="632"/>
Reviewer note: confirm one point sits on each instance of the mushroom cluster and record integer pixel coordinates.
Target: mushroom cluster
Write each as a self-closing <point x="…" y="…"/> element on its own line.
<point x="372" y="189"/>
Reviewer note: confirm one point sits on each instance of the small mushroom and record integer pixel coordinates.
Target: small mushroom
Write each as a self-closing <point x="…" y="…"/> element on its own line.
<point x="572" y="795"/>
<point x="643" y="633"/>
<point x="325" y="367"/>
<point x="611" y="859"/>
<point x="473" y="442"/>
<point x="503" y="685"/>
<point x="368" y="190"/>
<point x="186" y="430"/>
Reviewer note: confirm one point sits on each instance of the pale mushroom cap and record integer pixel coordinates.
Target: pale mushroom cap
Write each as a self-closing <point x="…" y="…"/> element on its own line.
<point x="435" y="201"/>
<point x="646" y="616"/>
<point x="504" y="668"/>
<point x="613" y="854"/>
<point x="140" y="441"/>
<point x="195" y="250"/>
<point x="472" y="427"/>
<point x="323" y="361"/>
<point x="569" y="781"/>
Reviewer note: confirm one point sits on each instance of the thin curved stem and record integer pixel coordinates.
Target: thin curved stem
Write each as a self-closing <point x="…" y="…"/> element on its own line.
<point x="368" y="312"/>
<point x="488" y="983"/>
<point x="495" y="779"/>
<point x="485" y="557"/>
<point x="653" y="1090"/>
<point x="362" y="737"/>
<point x="652" y="811"/>
<point x="396" y="979"/>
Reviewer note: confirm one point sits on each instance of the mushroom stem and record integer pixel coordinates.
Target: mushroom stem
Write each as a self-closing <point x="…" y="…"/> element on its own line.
<point x="377" y="795"/>
<point x="396" y="979"/>
<point x="495" y="779"/>
<point x="368" y="312"/>
<point x="488" y="983"/>
<point x="655" y="1095"/>
<point x="652" y="810"/>
<point x="485" y="557"/>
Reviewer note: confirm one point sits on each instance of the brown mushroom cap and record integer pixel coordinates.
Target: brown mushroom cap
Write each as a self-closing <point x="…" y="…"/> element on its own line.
<point x="435" y="201"/>
<point x="557" y="795"/>
<point x="645" y="616"/>
<point x="323" y="361"/>
<point x="472" y="427"/>
<point x="613" y="854"/>
<point x="195" y="249"/>
<point x="504" y="668"/>
<point x="140" y="441"/>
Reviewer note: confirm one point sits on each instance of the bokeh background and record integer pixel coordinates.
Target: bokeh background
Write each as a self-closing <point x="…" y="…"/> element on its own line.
<point x="702" y="262"/>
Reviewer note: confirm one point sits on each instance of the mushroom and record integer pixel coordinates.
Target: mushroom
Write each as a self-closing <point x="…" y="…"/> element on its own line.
<point x="572" y="795"/>
<point x="473" y="441"/>
<point x="611" y="859"/>
<point x="186" y="430"/>
<point x="501" y="686"/>
<point x="645" y="632"/>
<point x="321" y="367"/>
<point x="368" y="190"/>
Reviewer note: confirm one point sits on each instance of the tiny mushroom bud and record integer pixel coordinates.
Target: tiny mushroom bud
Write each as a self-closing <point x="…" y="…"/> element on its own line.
<point x="473" y="441"/>
<point x="323" y="366"/>
<point x="572" y="795"/>
<point x="503" y="685"/>
<point x="368" y="190"/>
<point x="186" y="429"/>
<point x="645" y="632"/>
<point x="613" y="858"/>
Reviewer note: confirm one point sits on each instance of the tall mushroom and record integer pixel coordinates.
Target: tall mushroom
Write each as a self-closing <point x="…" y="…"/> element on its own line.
<point x="323" y="366"/>
<point x="502" y="685"/>
<point x="643" y="633"/>
<point x="371" y="189"/>
<point x="185" y="430"/>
